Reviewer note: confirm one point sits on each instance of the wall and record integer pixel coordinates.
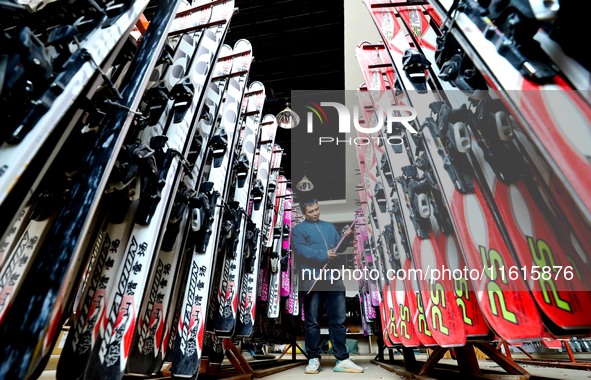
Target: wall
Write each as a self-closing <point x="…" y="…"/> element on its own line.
<point x="359" y="27"/>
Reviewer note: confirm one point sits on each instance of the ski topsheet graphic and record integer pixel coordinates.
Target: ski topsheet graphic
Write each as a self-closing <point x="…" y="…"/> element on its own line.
<point x="14" y="233"/>
<point x="18" y="262"/>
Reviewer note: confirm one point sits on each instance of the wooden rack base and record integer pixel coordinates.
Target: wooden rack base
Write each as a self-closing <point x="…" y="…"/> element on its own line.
<point x="569" y="364"/>
<point x="467" y="366"/>
<point x="248" y="370"/>
<point x="239" y="368"/>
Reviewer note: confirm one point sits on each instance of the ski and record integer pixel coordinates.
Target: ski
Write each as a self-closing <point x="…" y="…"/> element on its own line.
<point x="267" y="235"/>
<point x="418" y="197"/>
<point x="152" y="333"/>
<point x="274" y="297"/>
<point x="190" y="331"/>
<point x="478" y="241"/>
<point x="416" y="203"/>
<point x="209" y="120"/>
<point x="366" y="245"/>
<point x="67" y="165"/>
<point x="513" y="187"/>
<point x="28" y="149"/>
<point x="117" y="326"/>
<point x="64" y="167"/>
<point x="36" y="315"/>
<point x="286" y="255"/>
<point x="214" y="346"/>
<point x="229" y="290"/>
<point x="268" y="160"/>
<point x="422" y="27"/>
<point x="537" y="106"/>
<point x="387" y="307"/>
<point x="160" y="118"/>
<point x="544" y="172"/>
<point x="397" y="295"/>
<point x="270" y="213"/>
<point x="188" y="17"/>
<point x="366" y="256"/>
<point x="120" y="198"/>
<point x="25" y="250"/>
<point x="291" y="278"/>
<point x="369" y="311"/>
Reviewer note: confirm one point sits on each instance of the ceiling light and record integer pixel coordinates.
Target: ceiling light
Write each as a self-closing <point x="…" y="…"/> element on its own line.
<point x="288" y="119"/>
<point x="305" y="184"/>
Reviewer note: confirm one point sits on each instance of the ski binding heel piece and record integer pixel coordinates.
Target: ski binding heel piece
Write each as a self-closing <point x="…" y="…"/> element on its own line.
<point x="415" y="65"/>
<point x="504" y="126"/>
<point x="423" y="206"/>
<point x="461" y="137"/>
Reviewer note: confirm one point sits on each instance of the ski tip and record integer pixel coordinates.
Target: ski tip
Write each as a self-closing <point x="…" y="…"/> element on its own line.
<point x="256" y="86"/>
<point x="269" y="119"/>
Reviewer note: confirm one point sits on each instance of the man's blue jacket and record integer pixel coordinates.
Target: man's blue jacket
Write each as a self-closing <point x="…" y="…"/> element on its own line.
<point x="311" y="241"/>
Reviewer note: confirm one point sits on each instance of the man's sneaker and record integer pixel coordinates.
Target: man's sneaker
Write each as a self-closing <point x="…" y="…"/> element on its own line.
<point x="347" y="366"/>
<point x="313" y="366"/>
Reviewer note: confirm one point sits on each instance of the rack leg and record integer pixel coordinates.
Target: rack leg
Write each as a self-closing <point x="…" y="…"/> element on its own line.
<point x="410" y="361"/>
<point x="432" y="360"/>
<point x="503" y="361"/>
<point x="467" y="360"/>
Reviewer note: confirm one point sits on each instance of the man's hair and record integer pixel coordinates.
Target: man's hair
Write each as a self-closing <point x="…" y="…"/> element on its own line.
<point x="307" y="202"/>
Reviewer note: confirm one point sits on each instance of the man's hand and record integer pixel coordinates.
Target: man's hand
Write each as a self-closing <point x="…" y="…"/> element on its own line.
<point x="331" y="254"/>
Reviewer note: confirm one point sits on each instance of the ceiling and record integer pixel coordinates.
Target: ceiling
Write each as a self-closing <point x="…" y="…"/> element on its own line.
<point x="297" y="45"/>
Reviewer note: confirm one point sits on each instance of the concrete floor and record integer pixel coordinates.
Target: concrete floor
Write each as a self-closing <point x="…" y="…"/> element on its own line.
<point x="373" y="371"/>
<point x="326" y="373"/>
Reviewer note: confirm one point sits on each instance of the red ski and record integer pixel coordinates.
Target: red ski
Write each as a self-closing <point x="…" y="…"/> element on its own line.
<point x="395" y="294"/>
<point x="521" y="205"/>
<point x="555" y="116"/>
<point x="442" y="313"/>
<point x="482" y="243"/>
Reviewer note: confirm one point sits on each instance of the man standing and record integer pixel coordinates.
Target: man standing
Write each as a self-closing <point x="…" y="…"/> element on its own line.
<point x="314" y="243"/>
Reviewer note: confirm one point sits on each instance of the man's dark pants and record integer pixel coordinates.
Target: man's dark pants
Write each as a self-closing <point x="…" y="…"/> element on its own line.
<point x="336" y="313"/>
